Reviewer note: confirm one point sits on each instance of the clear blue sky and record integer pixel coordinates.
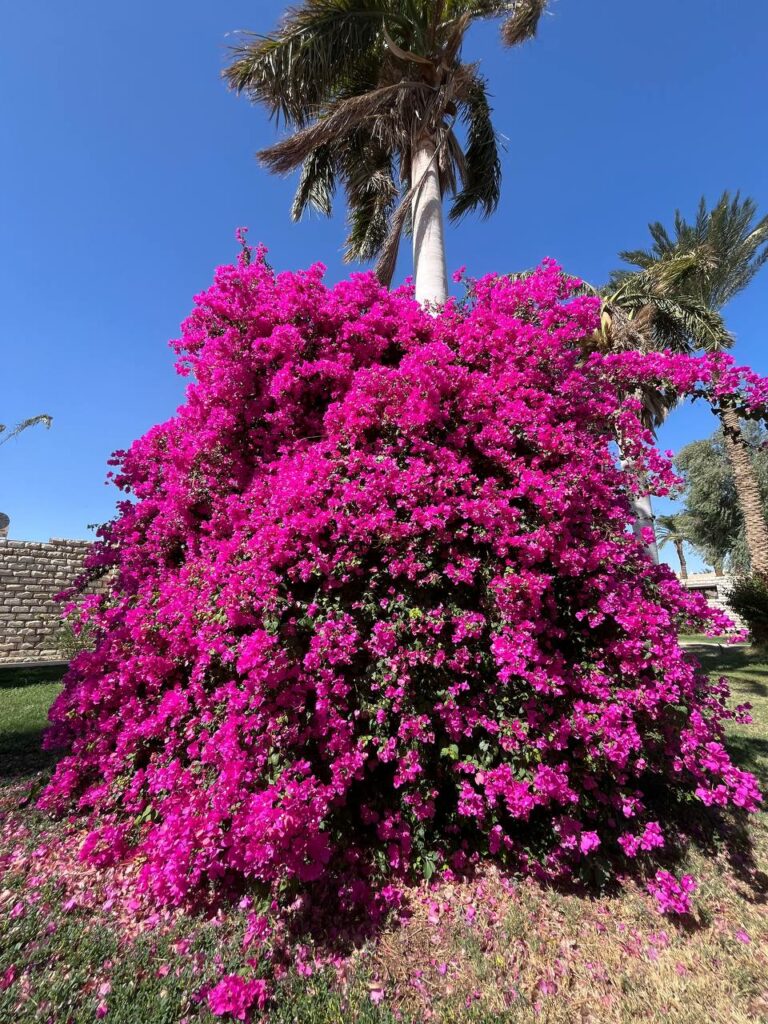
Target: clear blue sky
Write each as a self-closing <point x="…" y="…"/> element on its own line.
<point x="127" y="165"/>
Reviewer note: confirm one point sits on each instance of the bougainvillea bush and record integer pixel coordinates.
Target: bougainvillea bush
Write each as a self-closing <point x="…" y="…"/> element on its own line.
<point x="375" y="607"/>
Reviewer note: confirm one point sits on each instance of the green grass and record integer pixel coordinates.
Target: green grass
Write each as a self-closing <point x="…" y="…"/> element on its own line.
<point x="531" y="955"/>
<point x="23" y="715"/>
<point x="701" y="638"/>
<point x="747" y="672"/>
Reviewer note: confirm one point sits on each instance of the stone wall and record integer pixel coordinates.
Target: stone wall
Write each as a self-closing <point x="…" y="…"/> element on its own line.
<point x="30" y="574"/>
<point x="715" y="589"/>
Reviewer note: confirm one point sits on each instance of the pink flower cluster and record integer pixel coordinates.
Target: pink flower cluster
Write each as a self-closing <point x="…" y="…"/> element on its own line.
<point x="672" y="897"/>
<point x="235" y="996"/>
<point x="375" y="606"/>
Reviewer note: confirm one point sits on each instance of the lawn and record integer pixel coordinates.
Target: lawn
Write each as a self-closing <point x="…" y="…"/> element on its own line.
<point x="491" y="950"/>
<point x="23" y="710"/>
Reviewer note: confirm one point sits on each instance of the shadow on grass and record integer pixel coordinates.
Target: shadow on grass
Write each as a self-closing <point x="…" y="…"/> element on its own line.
<point x="730" y="835"/>
<point x="23" y="719"/>
<point x="722" y="657"/>
<point x="751" y="754"/>
<point x="21" y="754"/>
<point x="13" y="676"/>
<point x="752" y="687"/>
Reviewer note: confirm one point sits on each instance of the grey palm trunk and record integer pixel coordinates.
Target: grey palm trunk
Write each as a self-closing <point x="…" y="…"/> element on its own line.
<point x="680" y="549"/>
<point x="429" y="270"/>
<point x="643" y="518"/>
<point x="642" y="506"/>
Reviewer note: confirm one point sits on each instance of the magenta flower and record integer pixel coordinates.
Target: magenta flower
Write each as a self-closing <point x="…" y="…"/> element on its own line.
<point x="672" y="897"/>
<point x="589" y="841"/>
<point x="8" y="977"/>
<point x="234" y="996"/>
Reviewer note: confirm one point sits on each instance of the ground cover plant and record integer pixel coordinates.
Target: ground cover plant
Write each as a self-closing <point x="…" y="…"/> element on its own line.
<point x="483" y="950"/>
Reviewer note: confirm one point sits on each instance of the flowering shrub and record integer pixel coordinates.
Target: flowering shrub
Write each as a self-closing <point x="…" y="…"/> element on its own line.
<point x="375" y="607"/>
<point x="748" y="598"/>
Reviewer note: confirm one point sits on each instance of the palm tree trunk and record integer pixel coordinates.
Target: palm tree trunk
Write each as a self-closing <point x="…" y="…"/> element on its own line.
<point x="642" y="510"/>
<point x="430" y="275"/>
<point x="642" y="506"/>
<point x="747" y="491"/>
<point x="718" y="567"/>
<point x="681" y="557"/>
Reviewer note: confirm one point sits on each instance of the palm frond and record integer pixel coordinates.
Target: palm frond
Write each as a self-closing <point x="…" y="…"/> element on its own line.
<point x="637" y="258"/>
<point x="342" y="117"/>
<point x="385" y="266"/>
<point x="388" y="72"/>
<point x="295" y="70"/>
<point x="658" y="403"/>
<point x="672" y="528"/>
<point x="387" y="260"/>
<point x="687" y="323"/>
<point x="33" y="421"/>
<point x="740" y="247"/>
<point x="672" y="273"/>
<point x="316" y="184"/>
<point x="668" y="287"/>
<point x="372" y="194"/>
<point x="726" y="243"/>
<point x="481" y="169"/>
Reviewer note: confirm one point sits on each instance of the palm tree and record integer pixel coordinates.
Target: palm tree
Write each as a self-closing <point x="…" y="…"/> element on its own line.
<point x="673" y="530"/>
<point x="33" y="421"/>
<point x="650" y="309"/>
<point x="373" y="91"/>
<point x="734" y="246"/>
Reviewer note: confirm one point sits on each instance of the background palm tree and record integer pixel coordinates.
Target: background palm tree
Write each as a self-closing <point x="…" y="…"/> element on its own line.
<point x="651" y="309"/>
<point x="673" y="529"/>
<point x="731" y="245"/>
<point x="373" y="91"/>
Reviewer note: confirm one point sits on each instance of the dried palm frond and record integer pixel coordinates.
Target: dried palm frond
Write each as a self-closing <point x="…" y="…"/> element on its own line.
<point x="523" y="22"/>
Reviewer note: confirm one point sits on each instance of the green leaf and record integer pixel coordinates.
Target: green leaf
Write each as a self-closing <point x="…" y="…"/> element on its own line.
<point x="428" y="865"/>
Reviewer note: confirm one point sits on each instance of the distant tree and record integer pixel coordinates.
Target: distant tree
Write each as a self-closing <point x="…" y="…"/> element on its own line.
<point x="7" y="433"/>
<point x="714" y="521"/>
<point x="373" y="92"/>
<point x="675" y="530"/>
<point x="731" y="245"/>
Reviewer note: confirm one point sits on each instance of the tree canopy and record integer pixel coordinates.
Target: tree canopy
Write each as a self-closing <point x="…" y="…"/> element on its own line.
<point x="360" y="83"/>
<point x="727" y="245"/>
<point x="713" y="518"/>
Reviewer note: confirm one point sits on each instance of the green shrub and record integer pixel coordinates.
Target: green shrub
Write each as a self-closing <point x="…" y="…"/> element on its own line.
<point x="749" y="600"/>
<point x="70" y="642"/>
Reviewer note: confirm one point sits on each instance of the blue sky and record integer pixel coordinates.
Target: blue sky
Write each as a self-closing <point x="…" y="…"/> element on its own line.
<point x="128" y="165"/>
